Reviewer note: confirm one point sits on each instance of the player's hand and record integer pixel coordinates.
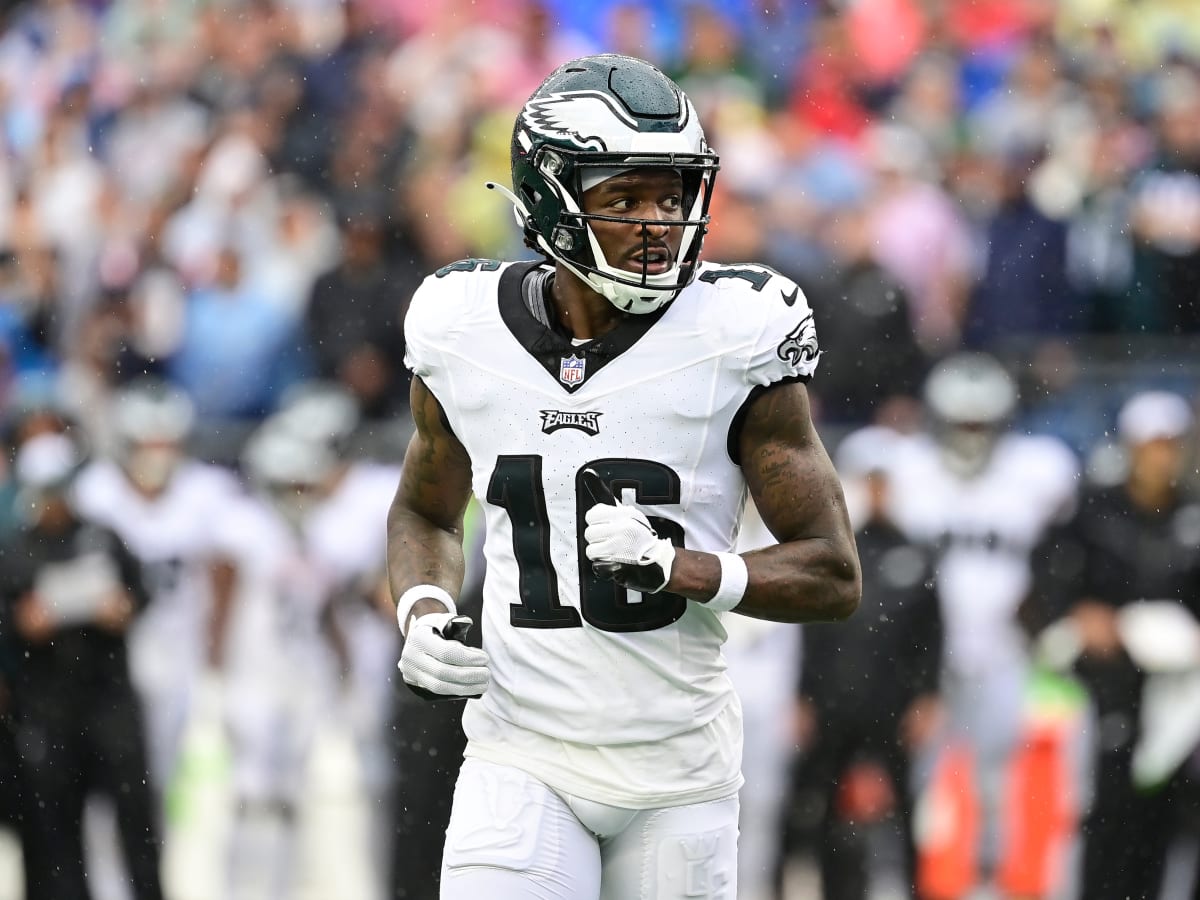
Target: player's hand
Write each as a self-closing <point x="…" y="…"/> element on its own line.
<point x="621" y="543"/>
<point x="437" y="665"/>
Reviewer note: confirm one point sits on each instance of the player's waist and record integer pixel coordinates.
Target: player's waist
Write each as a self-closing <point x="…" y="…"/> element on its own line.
<point x="700" y="763"/>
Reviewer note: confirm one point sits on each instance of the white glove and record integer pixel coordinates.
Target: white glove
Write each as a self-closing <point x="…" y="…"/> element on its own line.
<point x="624" y="547"/>
<point x="435" y="662"/>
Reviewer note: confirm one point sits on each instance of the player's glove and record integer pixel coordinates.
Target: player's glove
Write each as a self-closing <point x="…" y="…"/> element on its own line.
<point x="437" y="665"/>
<point x="621" y="543"/>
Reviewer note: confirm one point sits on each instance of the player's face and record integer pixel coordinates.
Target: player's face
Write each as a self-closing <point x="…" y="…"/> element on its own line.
<point x="655" y="195"/>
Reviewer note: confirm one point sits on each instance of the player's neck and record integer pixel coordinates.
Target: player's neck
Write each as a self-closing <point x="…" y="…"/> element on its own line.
<point x="580" y="311"/>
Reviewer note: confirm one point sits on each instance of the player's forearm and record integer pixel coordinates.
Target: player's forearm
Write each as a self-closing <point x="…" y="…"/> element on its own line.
<point x="798" y="581"/>
<point x="422" y="552"/>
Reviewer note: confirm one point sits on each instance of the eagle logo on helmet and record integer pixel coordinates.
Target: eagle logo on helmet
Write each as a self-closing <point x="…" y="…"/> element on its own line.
<point x="800" y="346"/>
<point x="576" y="117"/>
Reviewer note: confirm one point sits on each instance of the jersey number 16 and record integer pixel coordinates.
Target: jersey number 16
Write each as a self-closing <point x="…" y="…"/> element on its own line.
<point x="516" y="486"/>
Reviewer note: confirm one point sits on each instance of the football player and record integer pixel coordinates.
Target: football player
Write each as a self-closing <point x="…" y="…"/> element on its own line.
<point x="982" y="494"/>
<point x="610" y="406"/>
<point x="339" y="526"/>
<point x="165" y="505"/>
<point x="281" y="669"/>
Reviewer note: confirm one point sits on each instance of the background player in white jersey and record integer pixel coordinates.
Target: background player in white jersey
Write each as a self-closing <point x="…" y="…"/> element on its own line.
<point x="339" y="525"/>
<point x="166" y="507"/>
<point x="281" y="667"/>
<point x="983" y="495"/>
<point x="603" y="755"/>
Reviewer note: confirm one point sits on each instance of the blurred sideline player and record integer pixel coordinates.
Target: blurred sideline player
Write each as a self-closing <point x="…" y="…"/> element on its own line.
<point x="280" y="668"/>
<point x="315" y="644"/>
<point x="983" y="495"/>
<point x="167" y="508"/>
<point x="341" y="523"/>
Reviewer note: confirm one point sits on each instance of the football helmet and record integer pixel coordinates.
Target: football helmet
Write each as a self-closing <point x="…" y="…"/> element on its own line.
<point x="323" y="412"/>
<point x="286" y="468"/>
<point x="971" y="397"/>
<point x="590" y="119"/>
<point x="151" y="421"/>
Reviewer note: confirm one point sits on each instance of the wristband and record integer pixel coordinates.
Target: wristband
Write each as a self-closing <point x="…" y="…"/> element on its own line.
<point x="419" y="592"/>
<point x="734" y="578"/>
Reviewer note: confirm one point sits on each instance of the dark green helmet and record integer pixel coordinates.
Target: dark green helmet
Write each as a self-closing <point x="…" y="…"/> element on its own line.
<point x="593" y="117"/>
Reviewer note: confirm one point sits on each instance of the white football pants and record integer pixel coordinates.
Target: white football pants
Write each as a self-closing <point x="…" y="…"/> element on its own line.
<point x="512" y="838"/>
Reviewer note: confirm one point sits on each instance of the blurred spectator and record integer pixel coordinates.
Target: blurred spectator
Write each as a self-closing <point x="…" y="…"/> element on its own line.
<point x="238" y="350"/>
<point x="71" y="590"/>
<point x="1023" y="292"/>
<point x="919" y="235"/>
<point x="713" y="66"/>
<point x="830" y="90"/>
<point x="1129" y="543"/>
<point x="297" y="244"/>
<point x="1027" y="112"/>
<point x="869" y="691"/>
<point x="928" y="102"/>
<point x="862" y="314"/>
<point x="355" y="313"/>
<point x="1166" y="211"/>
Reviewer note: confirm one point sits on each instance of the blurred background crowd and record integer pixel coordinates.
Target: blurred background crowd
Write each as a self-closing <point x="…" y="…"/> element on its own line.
<point x="212" y="213"/>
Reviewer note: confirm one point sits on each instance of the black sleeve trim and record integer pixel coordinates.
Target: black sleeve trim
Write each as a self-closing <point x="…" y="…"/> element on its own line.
<point x="735" y="426"/>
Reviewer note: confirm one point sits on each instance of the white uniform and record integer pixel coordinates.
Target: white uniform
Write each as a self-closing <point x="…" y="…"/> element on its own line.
<point x="280" y="667"/>
<point x="985" y="528"/>
<point x="604" y="694"/>
<point x="172" y="535"/>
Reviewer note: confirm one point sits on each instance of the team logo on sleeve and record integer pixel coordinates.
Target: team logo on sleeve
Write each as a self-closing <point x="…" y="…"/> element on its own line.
<point x="554" y="419"/>
<point x="571" y="370"/>
<point x="800" y="346"/>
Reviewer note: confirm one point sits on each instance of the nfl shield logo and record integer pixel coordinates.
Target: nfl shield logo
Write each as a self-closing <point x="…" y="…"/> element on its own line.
<point x="570" y="371"/>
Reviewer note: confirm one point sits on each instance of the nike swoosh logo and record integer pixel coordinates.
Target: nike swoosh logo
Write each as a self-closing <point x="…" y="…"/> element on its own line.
<point x="790" y="299"/>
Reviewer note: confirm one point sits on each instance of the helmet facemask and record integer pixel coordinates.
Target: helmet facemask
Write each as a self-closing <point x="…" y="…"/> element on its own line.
<point x="574" y="243"/>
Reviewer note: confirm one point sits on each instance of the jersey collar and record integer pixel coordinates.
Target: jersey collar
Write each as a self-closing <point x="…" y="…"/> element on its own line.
<point x="569" y="365"/>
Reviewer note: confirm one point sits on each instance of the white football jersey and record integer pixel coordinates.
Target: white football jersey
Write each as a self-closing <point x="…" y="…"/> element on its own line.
<point x="985" y="528"/>
<point x="347" y="529"/>
<point x="653" y="406"/>
<point x="171" y="534"/>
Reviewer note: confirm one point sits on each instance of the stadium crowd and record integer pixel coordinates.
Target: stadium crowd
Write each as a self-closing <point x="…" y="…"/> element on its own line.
<point x="211" y="217"/>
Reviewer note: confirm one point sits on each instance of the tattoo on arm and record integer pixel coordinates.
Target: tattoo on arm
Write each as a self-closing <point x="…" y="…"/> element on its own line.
<point x="813" y="572"/>
<point x="426" y="517"/>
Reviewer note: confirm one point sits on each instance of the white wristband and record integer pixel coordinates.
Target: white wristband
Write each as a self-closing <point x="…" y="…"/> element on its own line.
<point x="734" y="578"/>
<point x="421" y="592"/>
